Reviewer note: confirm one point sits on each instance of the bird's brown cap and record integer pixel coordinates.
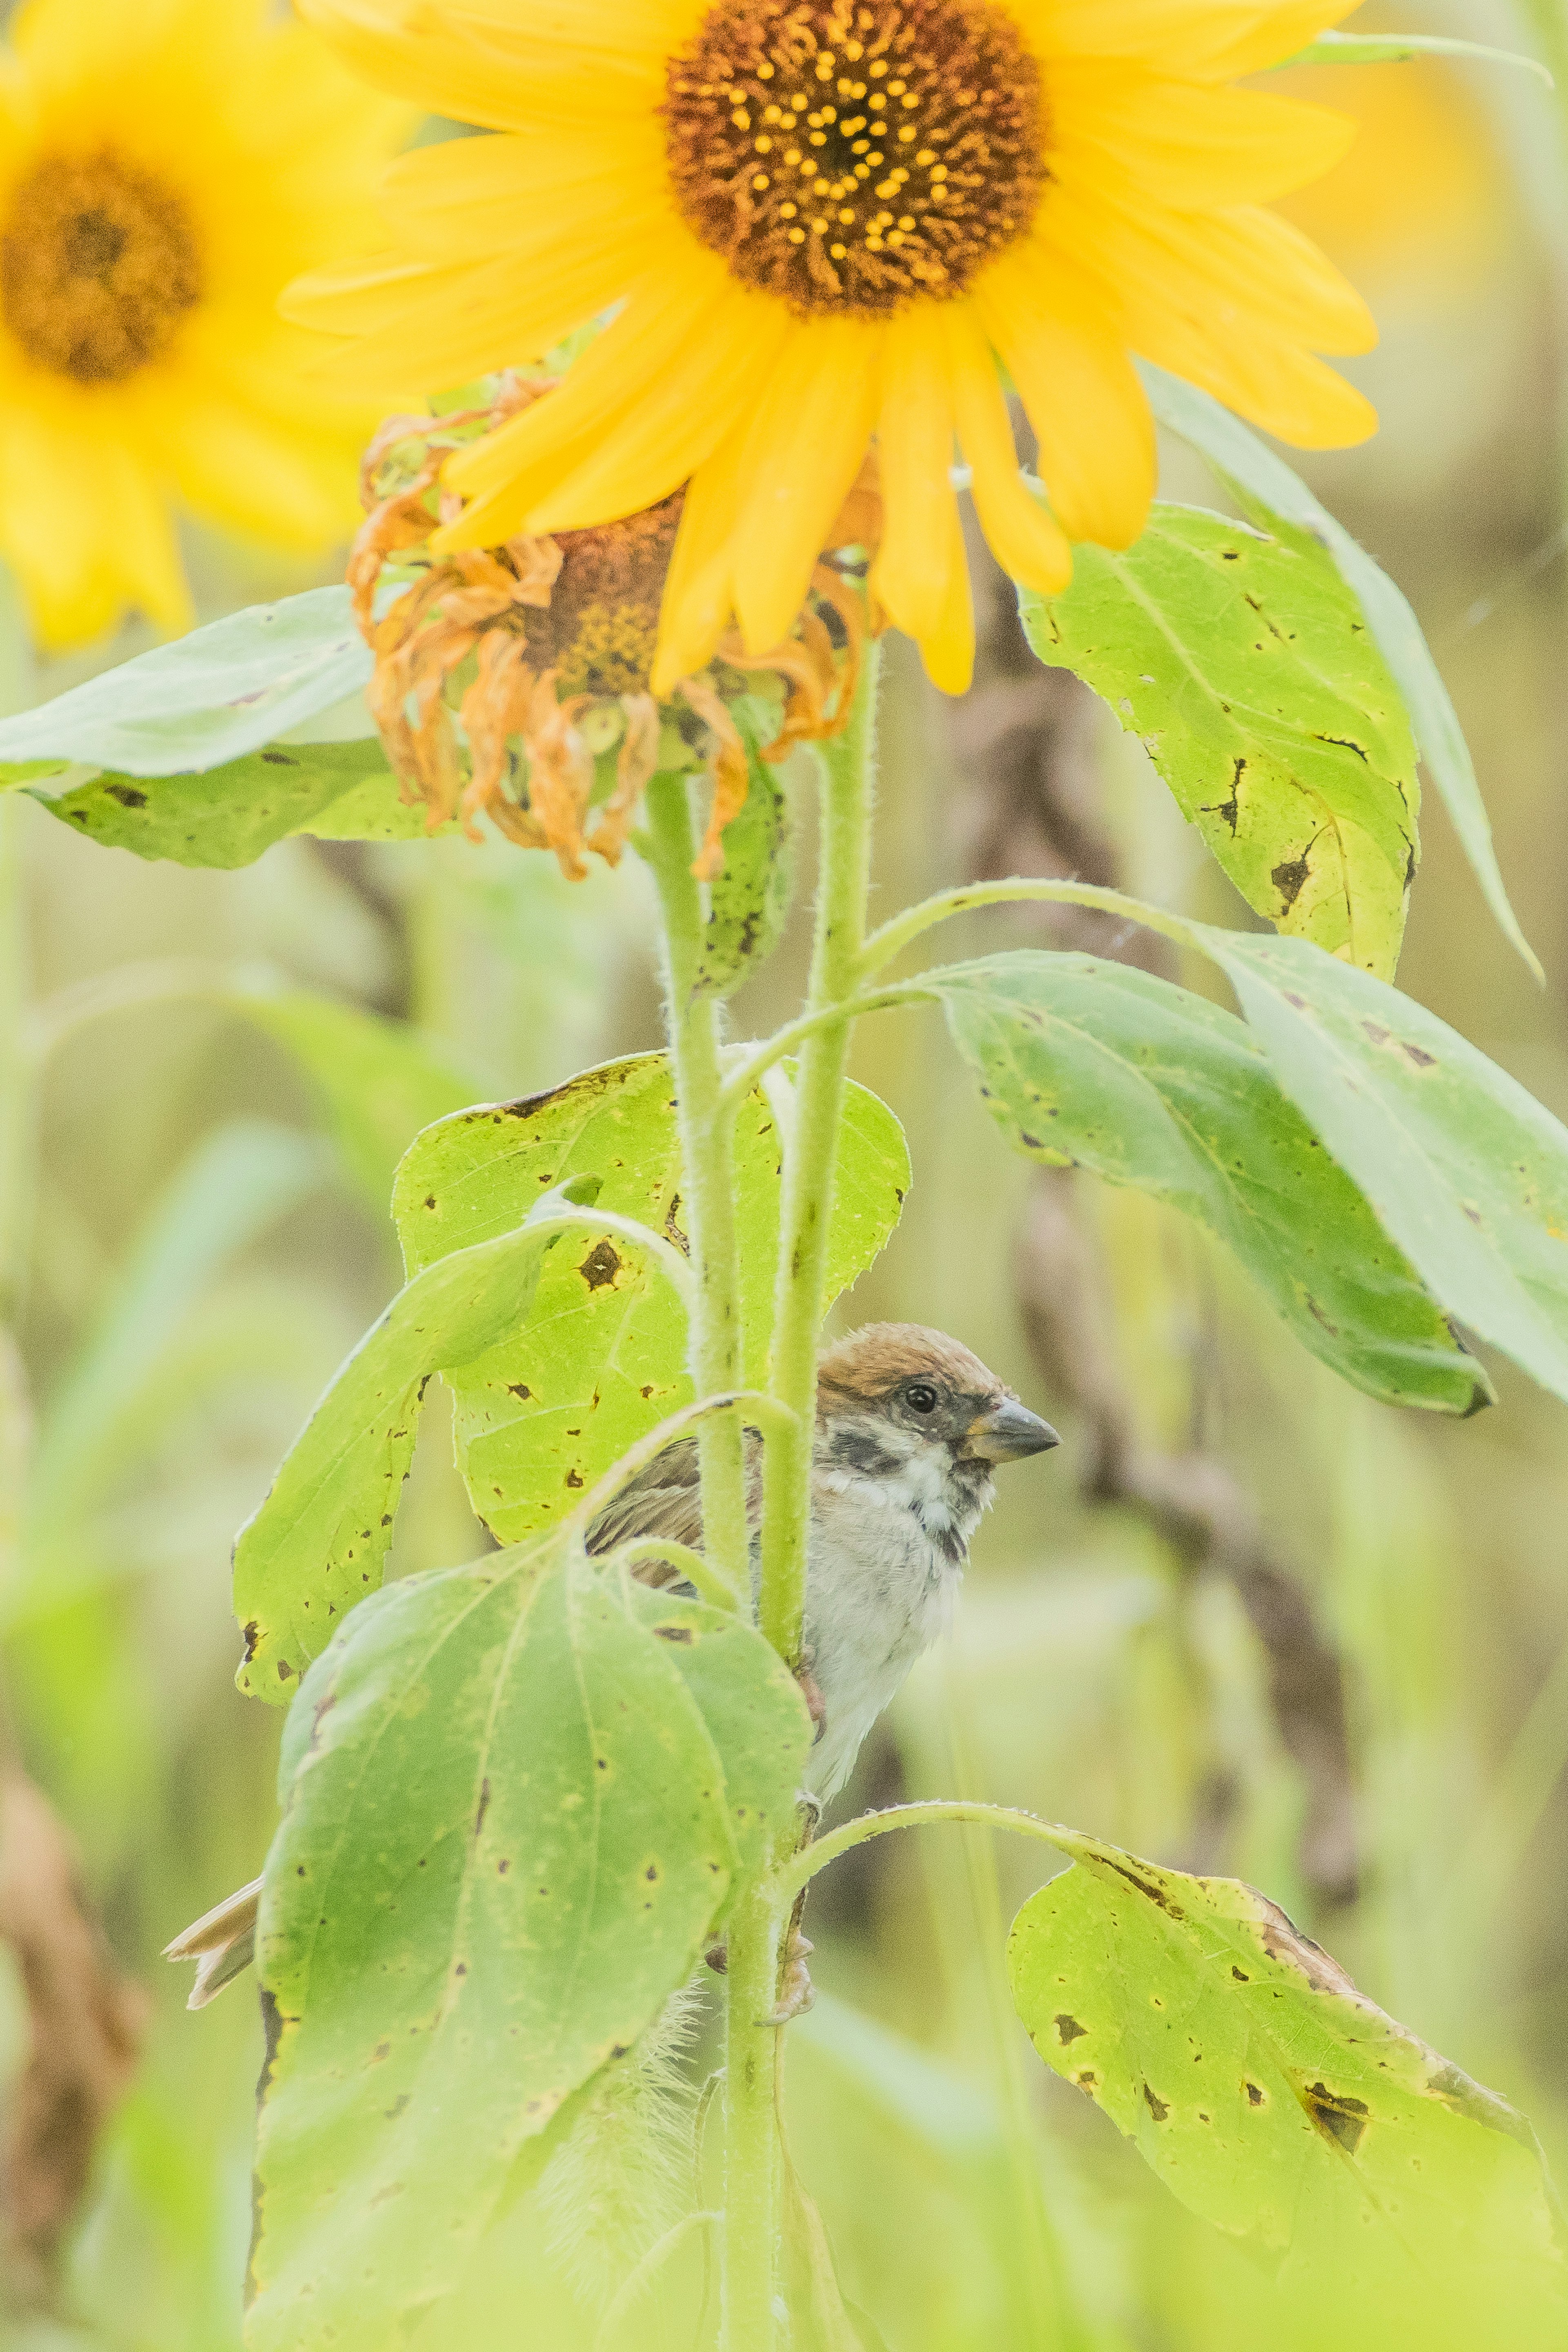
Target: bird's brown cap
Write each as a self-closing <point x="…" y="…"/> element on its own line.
<point x="872" y="1362"/>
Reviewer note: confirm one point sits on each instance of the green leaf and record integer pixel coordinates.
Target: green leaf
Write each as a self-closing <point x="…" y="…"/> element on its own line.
<point x="1464" y="1168"/>
<point x="378" y="1081"/>
<point x="1103" y="1066"/>
<point x="511" y="1828"/>
<point x="206" y="698"/>
<point x="229" y="815"/>
<point x="1272" y="2097"/>
<point x="1270" y="493"/>
<point x="748" y="904"/>
<point x="318" y="1544"/>
<point x="1394" y="49"/>
<point x="1243" y="662"/>
<point x="600" y="1358"/>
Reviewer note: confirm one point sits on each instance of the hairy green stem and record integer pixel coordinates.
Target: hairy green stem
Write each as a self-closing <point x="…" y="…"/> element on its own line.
<point x="844" y="868"/>
<point x="706" y="1151"/>
<point x="750" y="2125"/>
<point x="799" y="1871"/>
<point x="1018" y="890"/>
<point x="695" y="1566"/>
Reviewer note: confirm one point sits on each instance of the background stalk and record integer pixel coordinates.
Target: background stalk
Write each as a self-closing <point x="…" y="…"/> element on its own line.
<point x="706" y="1151"/>
<point x="843" y="865"/>
<point x="750" y="2238"/>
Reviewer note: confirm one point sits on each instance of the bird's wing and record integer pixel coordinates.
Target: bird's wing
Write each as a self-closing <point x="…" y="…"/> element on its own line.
<point x="222" y="1943"/>
<point x="666" y="1499"/>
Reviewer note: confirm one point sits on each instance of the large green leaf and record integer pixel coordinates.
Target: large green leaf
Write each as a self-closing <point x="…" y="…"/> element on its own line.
<point x="601" y="1356"/>
<point x="1106" y="1067"/>
<point x="207" y="697"/>
<point x="1271" y="494"/>
<point x="1243" y="662"/>
<point x="1464" y="1169"/>
<point x="518" y="1797"/>
<point x="229" y="815"/>
<point x="318" y="1544"/>
<point x="1277" y="2101"/>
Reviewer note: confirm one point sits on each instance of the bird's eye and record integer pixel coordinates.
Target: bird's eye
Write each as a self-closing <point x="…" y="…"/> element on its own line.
<point x="920" y="1397"/>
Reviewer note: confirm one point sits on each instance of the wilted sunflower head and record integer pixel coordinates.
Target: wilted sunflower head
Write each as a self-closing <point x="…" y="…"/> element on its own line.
<point x="515" y="682"/>
<point x="823" y="224"/>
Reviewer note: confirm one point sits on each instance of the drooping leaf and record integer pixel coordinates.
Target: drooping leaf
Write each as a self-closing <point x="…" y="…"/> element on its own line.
<point x="1243" y="662"/>
<point x="750" y="901"/>
<point x="510" y="1829"/>
<point x="1270" y="493"/>
<point x="208" y="698"/>
<point x="318" y="1544"/>
<point x="227" y="816"/>
<point x="1466" y="1171"/>
<point x="1101" y="1065"/>
<point x="600" y="1357"/>
<point x="1277" y="2101"/>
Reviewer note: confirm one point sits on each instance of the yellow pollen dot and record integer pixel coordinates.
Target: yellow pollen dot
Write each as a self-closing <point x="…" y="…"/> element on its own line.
<point x="788" y="212"/>
<point x="908" y="221"/>
<point x="895" y="237"/>
<point x="786" y="122"/>
<point x="759" y="180"/>
<point x="879" y="65"/>
<point x="845" y="87"/>
<point x="797" y="237"/>
<point x="876" y="99"/>
<point x="854" y="51"/>
<point x="859" y="147"/>
<point x="792" y="155"/>
<point x="839" y="251"/>
<point x="907" y="130"/>
<point x="910" y="100"/>
<point x="862" y="171"/>
<point x="819" y="139"/>
<point x="887" y="187"/>
<point x="764" y="71"/>
<point x="799" y="103"/>
<point x="939" y="172"/>
<point x="896" y="89"/>
<point x="926" y="155"/>
<point x="770" y="114"/>
<point x="820" y="226"/>
<point x="852" y="130"/>
<point x="820" y="188"/>
<point x="764" y="146"/>
<point x="845" y="215"/>
<point x="828" y="114"/>
<point x="876" y="161"/>
<point x="740" y="119"/>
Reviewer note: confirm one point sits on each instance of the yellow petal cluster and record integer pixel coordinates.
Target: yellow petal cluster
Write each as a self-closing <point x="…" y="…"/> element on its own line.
<point x="165" y="167"/>
<point x="825" y="221"/>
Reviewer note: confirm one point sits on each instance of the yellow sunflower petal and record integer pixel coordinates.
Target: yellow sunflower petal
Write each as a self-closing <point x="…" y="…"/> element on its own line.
<point x="253" y="473"/>
<point x="485" y="196"/>
<point x="922" y="542"/>
<point x="699" y="593"/>
<point x="810" y="435"/>
<point x="1186" y="146"/>
<point x="1023" y="535"/>
<point x="84" y="528"/>
<point x="1080" y="390"/>
<point x="677" y="424"/>
<point x="1198" y="39"/>
<point x="509" y="471"/>
<point x="500" y="75"/>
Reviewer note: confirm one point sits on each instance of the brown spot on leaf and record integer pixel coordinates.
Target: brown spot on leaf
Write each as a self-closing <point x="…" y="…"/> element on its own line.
<point x="484" y="1804"/>
<point x="1341" y="2121"/>
<point x="519" y="1389"/>
<point x="674" y="1632"/>
<point x="601" y="1266"/>
<point x="1288" y="878"/>
<point x="1147" y="1887"/>
<point x="1067" y="2029"/>
<point x="1156" y="2105"/>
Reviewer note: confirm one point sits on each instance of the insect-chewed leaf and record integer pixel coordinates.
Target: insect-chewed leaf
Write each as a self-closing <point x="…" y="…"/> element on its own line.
<point x="229" y="815"/>
<point x="749" y="902"/>
<point x="599" y="1358"/>
<point x="1107" y="1067"/>
<point x="1276" y="2100"/>
<point x="515" y="1803"/>
<point x="317" y="1546"/>
<point x="1246" y="666"/>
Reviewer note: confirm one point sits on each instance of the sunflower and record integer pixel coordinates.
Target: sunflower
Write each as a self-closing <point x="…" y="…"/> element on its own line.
<point x="165" y="168"/>
<point x="829" y="221"/>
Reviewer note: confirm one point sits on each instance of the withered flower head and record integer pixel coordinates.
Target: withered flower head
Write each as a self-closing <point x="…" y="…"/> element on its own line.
<point x="542" y="650"/>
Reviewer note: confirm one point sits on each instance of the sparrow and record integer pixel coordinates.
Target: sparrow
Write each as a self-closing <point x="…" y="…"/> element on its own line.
<point x="911" y="1428"/>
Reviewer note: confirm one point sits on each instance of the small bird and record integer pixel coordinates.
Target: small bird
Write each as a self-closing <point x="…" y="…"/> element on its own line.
<point x="910" y="1427"/>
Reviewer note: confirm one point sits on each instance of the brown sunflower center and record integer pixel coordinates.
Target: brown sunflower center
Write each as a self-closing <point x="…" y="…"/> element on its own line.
<point x="846" y="156"/>
<point x="98" y="261"/>
<point x="601" y="625"/>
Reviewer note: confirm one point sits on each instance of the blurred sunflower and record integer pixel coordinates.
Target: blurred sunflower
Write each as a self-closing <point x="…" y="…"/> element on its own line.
<point x="825" y="220"/>
<point x="165" y="168"/>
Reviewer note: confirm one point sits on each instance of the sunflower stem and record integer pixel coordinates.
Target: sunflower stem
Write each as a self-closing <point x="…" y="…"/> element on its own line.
<point x="844" y="868"/>
<point x="706" y="1151"/>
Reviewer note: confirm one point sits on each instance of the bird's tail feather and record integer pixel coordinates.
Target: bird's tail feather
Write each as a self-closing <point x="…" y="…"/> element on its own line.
<point x="222" y="1943"/>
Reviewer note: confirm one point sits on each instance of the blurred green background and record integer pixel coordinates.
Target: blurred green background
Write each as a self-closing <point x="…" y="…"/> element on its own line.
<point x="191" y="1223"/>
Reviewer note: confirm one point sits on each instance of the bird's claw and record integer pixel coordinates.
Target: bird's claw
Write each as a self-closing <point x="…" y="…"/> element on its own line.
<point x="797" y="1991"/>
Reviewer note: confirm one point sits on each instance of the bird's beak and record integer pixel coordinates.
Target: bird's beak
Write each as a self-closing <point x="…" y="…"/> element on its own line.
<point x="1009" y="1431"/>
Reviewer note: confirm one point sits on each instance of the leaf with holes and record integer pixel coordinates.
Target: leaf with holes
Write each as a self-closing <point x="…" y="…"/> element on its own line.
<point x="1244" y="663"/>
<point x="513" y="1816"/>
<point x="1274" y="2098"/>
<point x="318" y="1545"/>
<point x="1269" y="493"/>
<point x="600" y="1357"/>
<point x="1101" y="1065"/>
